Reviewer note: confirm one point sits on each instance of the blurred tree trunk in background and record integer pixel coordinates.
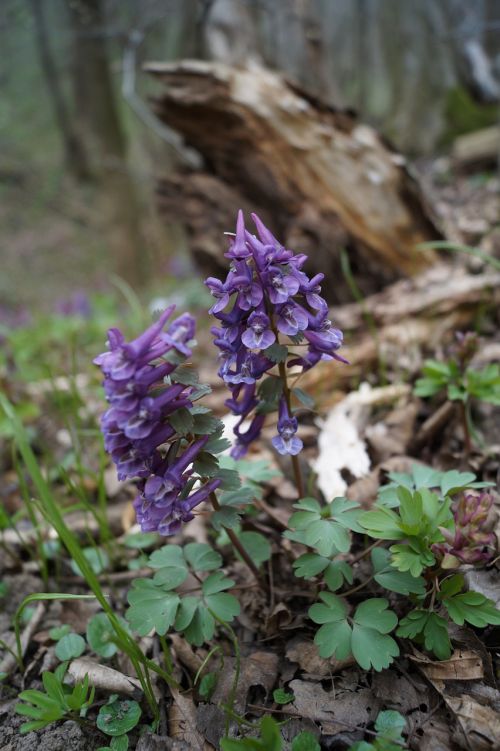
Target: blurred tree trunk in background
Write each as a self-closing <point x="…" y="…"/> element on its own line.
<point x="76" y="160"/>
<point x="101" y="130"/>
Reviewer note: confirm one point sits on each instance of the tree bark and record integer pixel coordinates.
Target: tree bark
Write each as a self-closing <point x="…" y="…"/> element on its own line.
<point x="74" y="151"/>
<point x="102" y="131"/>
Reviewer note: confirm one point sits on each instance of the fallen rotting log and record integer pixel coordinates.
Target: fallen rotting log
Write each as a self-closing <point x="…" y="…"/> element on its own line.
<point x="322" y="180"/>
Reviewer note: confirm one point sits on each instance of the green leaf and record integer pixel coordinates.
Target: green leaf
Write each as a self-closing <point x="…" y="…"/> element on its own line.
<point x="140" y="540"/>
<point x="185" y="612"/>
<point x="304" y="397"/>
<point x="472" y="607"/>
<point x="390" y="578"/>
<point x="382" y="523"/>
<point x="412" y="557"/>
<point x="367" y="639"/>
<point x="390" y="725"/>
<point x="309" y="565"/>
<point x="202" y="626"/>
<point x="228" y="517"/>
<point x="430" y="628"/>
<point x="69" y="647"/>
<point x="336" y="573"/>
<point x="327" y="537"/>
<point x="453" y="481"/>
<point x="182" y="421"/>
<point x="101" y="635"/>
<point x="97" y="558"/>
<point x="204" y="423"/>
<point x="230" y="479"/>
<point x="305" y="741"/>
<point x="58" y="632"/>
<point x="185" y="374"/>
<point x="216" y="582"/>
<point x="118" y="717"/>
<point x="281" y="696"/>
<point x="410" y="511"/>
<point x="207" y="686"/>
<point x="241" y="497"/>
<point x="151" y="607"/>
<point x="201" y="557"/>
<point x="171" y="564"/>
<point x="119" y="743"/>
<point x="206" y="465"/>
<point x="256" y="545"/>
<point x="277" y="353"/>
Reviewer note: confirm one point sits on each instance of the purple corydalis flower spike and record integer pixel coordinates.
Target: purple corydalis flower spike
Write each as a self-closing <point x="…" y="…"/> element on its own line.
<point x="275" y="301"/>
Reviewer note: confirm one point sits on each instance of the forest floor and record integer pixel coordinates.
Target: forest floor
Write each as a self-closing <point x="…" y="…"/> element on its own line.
<point x="371" y="425"/>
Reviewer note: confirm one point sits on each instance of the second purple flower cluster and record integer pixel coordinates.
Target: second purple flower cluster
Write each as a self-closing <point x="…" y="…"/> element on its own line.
<point x="265" y="302"/>
<point x="137" y="423"/>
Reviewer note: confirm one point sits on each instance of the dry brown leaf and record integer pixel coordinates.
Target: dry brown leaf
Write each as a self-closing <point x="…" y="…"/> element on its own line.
<point x="479" y="723"/>
<point x="305" y="653"/>
<point x="463" y="665"/>
<point x="258" y="669"/>
<point x="106" y="678"/>
<point x="334" y="712"/>
<point x="182" y="722"/>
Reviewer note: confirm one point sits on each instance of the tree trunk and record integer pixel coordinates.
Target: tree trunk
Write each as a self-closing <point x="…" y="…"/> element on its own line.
<point x="102" y="131"/>
<point x="74" y="151"/>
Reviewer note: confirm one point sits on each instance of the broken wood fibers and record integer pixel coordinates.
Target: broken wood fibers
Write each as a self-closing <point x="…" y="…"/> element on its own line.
<point x="321" y="180"/>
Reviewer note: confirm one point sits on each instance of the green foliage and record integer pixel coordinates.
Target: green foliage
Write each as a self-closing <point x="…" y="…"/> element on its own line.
<point x="472" y="607"/>
<point x="365" y="635"/>
<point x="118" y="716"/>
<point x="443" y="483"/>
<point x="416" y="522"/>
<point x="305" y="742"/>
<point x="101" y="635"/>
<point x="335" y="573"/>
<point x="429" y="629"/>
<point x="56" y="702"/>
<point x="389" y="577"/>
<point x="281" y="696"/>
<point x="117" y="743"/>
<point x="256" y="545"/>
<point x="70" y="646"/>
<point x="389" y="726"/>
<point x="207" y="686"/>
<point x="324" y="528"/>
<point x="155" y="606"/>
<point x="250" y="476"/>
<point x="460" y="384"/>
<point x="269" y="739"/>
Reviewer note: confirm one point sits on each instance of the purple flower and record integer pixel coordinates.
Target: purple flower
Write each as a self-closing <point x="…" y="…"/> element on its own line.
<point x="137" y="432"/>
<point x="275" y="301"/>
<point x="290" y="319"/>
<point x="219" y="291"/>
<point x="280" y="286"/>
<point x="258" y="335"/>
<point x="286" y="442"/>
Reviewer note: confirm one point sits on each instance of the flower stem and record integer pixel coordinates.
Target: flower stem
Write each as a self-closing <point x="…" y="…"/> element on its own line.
<point x="237" y="544"/>
<point x="299" y="483"/>
<point x="465" y="427"/>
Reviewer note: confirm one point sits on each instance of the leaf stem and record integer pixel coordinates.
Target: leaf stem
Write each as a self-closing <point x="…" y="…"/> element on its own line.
<point x="237" y="543"/>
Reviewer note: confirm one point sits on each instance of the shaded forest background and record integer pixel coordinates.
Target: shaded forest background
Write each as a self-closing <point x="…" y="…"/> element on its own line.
<point x="82" y="150"/>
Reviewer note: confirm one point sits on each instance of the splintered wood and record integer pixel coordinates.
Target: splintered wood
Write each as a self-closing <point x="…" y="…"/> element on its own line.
<point x="322" y="180"/>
